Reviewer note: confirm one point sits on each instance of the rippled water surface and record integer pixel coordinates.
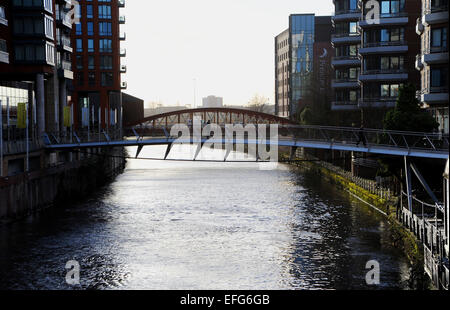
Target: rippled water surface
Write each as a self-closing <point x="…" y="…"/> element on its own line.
<point x="184" y="225"/>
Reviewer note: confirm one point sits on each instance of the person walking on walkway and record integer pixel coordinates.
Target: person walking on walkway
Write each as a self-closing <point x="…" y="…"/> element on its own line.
<point x="361" y="137"/>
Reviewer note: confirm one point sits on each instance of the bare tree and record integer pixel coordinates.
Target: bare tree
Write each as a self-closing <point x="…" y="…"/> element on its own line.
<point x="259" y="104"/>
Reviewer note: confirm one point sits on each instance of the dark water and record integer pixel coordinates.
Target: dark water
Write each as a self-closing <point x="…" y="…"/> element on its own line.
<point x="184" y="225"/>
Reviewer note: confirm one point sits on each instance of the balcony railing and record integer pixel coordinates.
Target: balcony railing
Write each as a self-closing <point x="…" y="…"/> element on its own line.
<point x="65" y="65"/>
<point x="384" y="43"/>
<point x="383" y="71"/>
<point x="64" y="41"/>
<point x="344" y="35"/>
<point x="347" y="11"/>
<point x="436" y="9"/>
<point x="121" y="3"/>
<point x="435" y="49"/>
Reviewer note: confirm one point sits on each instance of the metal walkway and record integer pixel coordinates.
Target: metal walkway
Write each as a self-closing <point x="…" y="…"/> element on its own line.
<point x="382" y="142"/>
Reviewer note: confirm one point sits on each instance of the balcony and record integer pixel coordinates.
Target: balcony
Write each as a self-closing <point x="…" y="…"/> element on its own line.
<point x="384" y="48"/>
<point x="345" y="38"/>
<point x="123" y="36"/>
<point x="419" y="27"/>
<point x="121" y="3"/>
<point x="344" y="106"/>
<point x="123" y="69"/>
<point x="435" y="15"/>
<point x="3" y="20"/>
<point x="4" y="55"/>
<point x="64" y="43"/>
<point x="395" y="19"/>
<point x="383" y="75"/>
<point x="435" y="56"/>
<point x="122" y="19"/>
<point x="377" y="103"/>
<point x="123" y="85"/>
<point x="434" y="96"/>
<point x="347" y="15"/>
<point x="345" y="61"/>
<point x="64" y="19"/>
<point x="345" y="83"/>
<point x="65" y="70"/>
<point x="123" y="52"/>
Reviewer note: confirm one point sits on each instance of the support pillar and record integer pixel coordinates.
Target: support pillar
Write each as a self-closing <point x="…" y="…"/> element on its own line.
<point x="40" y="104"/>
<point x="408" y="183"/>
<point x="62" y="104"/>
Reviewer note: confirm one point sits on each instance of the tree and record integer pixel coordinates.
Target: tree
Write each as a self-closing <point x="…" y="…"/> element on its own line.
<point x="259" y="104"/>
<point x="407" y="114"/>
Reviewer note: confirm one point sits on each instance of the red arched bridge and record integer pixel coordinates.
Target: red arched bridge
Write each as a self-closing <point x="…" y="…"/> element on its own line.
<point x="158" y="130"/>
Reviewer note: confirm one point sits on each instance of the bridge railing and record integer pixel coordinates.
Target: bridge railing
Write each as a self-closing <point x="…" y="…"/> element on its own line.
<point x="369" y="137"/>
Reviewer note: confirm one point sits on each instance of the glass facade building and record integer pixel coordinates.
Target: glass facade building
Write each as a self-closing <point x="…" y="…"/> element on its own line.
<point x="301" y="29"/>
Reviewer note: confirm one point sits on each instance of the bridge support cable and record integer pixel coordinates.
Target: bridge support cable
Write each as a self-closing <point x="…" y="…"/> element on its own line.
<point x="424" y="183"/>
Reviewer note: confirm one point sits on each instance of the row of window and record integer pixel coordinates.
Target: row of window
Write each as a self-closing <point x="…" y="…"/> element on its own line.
<point x="104" y="45"/>
<point x="47" y="4"/>
<point x="35" y="53"/>
<point x="106" y="79"/>
<point x="34" y="26"/>
<point x="104" y="11"/>
<point x="104" y="29"/>
<point x="106" y="62"/>
<point x="384" y="63"/>
<point x="384" y="35"/>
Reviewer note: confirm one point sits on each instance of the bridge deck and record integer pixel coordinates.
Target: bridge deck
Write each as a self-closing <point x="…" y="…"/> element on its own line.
<point x="286" y="142"/>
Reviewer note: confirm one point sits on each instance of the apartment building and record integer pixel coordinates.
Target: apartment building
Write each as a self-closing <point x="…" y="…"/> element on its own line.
<point x="346" y="41"/>
<point x="96" y="38"/>
<point x="35" y="66"/>
<point x="388" y="54"/>
<point x="296" y="51"/>
<point x="432" y="61"/>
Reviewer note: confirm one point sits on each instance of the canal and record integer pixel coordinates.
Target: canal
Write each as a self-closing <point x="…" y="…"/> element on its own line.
<point x="203" y="225"/>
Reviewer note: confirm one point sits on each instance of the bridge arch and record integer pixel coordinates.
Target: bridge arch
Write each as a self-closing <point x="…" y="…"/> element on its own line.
<point x="214" y="115"/>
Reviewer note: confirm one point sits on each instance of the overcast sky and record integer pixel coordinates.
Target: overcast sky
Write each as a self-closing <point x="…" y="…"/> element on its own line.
<point x="226" y="45"/>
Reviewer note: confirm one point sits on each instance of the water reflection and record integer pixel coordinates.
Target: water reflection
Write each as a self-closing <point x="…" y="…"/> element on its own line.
<point x="183" y="225"/>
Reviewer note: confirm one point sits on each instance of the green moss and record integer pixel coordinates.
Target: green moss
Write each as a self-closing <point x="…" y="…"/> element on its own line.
<point x="400" y="237"/>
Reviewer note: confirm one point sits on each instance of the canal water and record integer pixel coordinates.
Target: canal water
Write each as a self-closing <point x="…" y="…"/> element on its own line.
<point x="203" y="225"/>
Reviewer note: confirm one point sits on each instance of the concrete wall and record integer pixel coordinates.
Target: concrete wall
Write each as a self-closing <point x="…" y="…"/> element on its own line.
<point x="24" y="194"/>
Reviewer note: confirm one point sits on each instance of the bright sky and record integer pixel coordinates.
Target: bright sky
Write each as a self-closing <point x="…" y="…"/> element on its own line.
<point x="227" y="46"/>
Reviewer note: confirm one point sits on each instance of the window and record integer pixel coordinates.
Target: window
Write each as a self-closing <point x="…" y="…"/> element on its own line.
<point x="439" y="38"/>
<point x="105" y="45"/>
<point x="80" y="78"/>
<point x="3" y="46"/>
<point x="2" y="12"/>
<point x="90" y="28"/>
<point x="392" y="7"/>
<point x="105" y="29"/>
<point x="439" y="77"/>
<point x="78" y="29"/>
<point x="353" y="28"/>
<point x="107" y="79"/>
<point x="104" y="11"/>
<point x="89" y="11"/>
<point x="91" y="62"/>
<point x="389" y="90"/>
<point x="91" y="78"/>
<point x="106" y="62"/>
<point x="91" y="48"/>
<point x="80" y="62"/>
<point x="79" y="45"/>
